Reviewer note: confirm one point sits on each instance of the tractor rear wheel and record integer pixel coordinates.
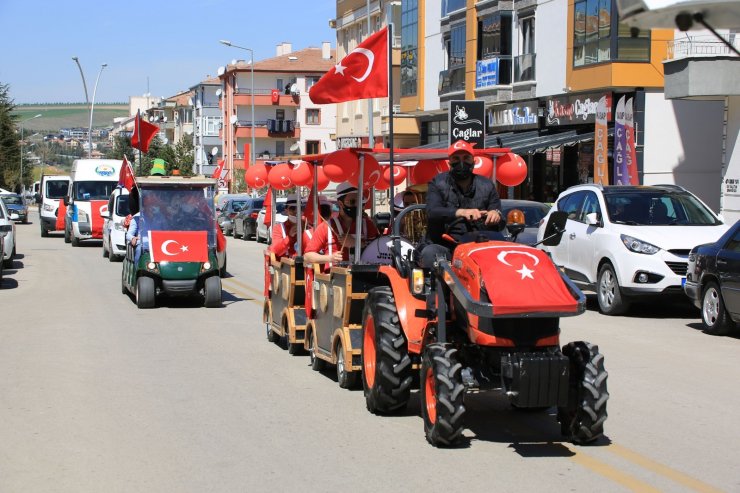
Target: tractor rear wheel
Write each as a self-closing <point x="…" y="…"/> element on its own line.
<point x="582" y="421"/>
<point x="386" y="365"/>
<point x="346" y="379"/>
<point x="442" y="394"/>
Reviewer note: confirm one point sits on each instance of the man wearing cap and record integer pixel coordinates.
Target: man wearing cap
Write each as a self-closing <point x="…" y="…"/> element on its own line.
<point x="285" y="231"/>
<point x="333" y="239"/>
<point x="455" y="194"/>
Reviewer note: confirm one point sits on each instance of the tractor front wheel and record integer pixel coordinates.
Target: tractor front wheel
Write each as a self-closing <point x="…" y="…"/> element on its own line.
<point x="582" y="421"/>
<point x="442" y="394"/>
<point x="386" y="364"/>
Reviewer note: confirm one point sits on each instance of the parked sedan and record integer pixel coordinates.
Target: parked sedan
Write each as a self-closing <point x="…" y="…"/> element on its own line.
<point x="229" y="210"/>
<point x="245" y="222"/>
<point x="713" y="281"/>
<point x="7" y="230"/>
<point x="16" y="205"/>
<point x="533" y="214"/>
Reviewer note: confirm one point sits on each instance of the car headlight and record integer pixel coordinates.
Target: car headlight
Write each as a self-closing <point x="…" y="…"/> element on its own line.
<point x="639" y="246"/>
<point x="82" y="217"/>
<point x="49" y="207"/>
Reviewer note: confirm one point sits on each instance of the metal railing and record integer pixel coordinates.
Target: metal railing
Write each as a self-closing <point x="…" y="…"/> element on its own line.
<point x="699" y="46"/>
<point x="257" y="92"/>
<point x="524" y="67"/>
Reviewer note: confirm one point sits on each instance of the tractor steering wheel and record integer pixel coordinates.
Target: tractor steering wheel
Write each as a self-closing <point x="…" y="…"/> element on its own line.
<point x="475" y="225"/>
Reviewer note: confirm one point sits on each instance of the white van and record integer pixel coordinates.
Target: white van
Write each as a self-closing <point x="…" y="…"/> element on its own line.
<point x="93" y="181"/>
<point x="114" y="233"/>
<point x="52" y="189"/>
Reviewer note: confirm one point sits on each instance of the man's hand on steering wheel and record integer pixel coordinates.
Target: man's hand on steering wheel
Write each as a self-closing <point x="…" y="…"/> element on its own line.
<point x="470" y="214"/>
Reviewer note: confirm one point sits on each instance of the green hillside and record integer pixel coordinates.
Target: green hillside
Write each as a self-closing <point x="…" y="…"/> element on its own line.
<point x="58" y="116"/>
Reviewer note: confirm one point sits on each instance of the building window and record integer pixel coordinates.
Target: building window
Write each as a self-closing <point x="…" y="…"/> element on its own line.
<point x="449" y="6"/>
<point x="456" y="52"/>
<point x="280" y="114"/>
<point x="211" y="125"/>
<point x="313" y="116"/>
<point x="432" y="132"/>
<point x="524" y="63"/>
<point x="310" y="81"/>
<point x="313" y="146"/>
<point x="280" y="148"/>
<point x="409" y="46"/>
<point x="633" y="48"/>
<point x="494" y="42"/>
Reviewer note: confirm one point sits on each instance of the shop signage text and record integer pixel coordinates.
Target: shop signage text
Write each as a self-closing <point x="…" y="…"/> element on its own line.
<point x="576" y="109"/>
<point x="486" y="73"/>
<point x="467" y="122"/>
<point x="349" y="142"/>
<point x="512" y="116"/>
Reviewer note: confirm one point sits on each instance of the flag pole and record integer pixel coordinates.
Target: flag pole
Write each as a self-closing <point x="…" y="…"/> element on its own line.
<point x="138" y="135"/>
<point x="390" y="121"/>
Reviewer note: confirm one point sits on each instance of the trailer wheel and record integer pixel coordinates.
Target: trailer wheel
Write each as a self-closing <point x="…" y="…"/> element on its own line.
<point x="386" y="365"/>
<point x="442" y="394"/>
<point x="212" y="292"/>
<point x="582" y="421"/>
<point x="317" y="364"/>
<point x="346" y="379"/>
<point x="145" y="292"/>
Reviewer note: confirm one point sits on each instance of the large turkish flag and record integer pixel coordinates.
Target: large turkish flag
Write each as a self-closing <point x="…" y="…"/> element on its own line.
<point x="362" y="74"/>
<point x="178" y="246"/>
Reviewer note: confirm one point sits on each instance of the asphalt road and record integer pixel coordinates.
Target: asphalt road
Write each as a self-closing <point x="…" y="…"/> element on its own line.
<point x="96" y="395"/>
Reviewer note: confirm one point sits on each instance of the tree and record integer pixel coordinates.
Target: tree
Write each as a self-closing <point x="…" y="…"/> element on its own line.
<point x="10" y="153"/>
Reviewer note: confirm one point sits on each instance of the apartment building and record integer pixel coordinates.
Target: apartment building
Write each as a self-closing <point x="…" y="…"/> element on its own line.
<point x="268" y="104"/>
<point x="207" y="121"/>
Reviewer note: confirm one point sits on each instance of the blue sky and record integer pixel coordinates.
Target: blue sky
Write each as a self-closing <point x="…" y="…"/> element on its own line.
<point x="174" y="43"/>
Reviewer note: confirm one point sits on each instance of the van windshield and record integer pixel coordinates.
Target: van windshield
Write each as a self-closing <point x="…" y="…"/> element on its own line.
<point x="56" y="189"/>
<point x="93" y="190"/>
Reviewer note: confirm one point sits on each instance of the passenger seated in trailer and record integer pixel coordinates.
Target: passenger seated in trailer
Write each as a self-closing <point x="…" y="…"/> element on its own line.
<point x="333" y="240"/>
<point x="285" y="230"/>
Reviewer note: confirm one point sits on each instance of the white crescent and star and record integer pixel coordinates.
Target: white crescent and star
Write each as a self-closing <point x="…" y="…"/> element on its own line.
<point x="373" y="178"/>
<point x="339" y="68"/>
<point x="524" y="271"/>
<point x="183" y="248"/>
<point x="283" y="179"/>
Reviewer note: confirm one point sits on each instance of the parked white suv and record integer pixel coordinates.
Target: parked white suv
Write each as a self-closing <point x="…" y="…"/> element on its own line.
<point x="630" y="241"/>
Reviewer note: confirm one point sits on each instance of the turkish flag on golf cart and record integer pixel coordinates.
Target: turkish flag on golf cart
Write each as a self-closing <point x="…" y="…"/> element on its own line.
<point x="362" y="74"/>
<point x="178" y="246"/>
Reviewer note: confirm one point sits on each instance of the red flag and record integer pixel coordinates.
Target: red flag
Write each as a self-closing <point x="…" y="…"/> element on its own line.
<point x="144" y="132"/>
<point x="219" y="170"/>
<point x="126" y="176"/>
<point x="268" y="207"/>
<point x="362" y="74"/>
<point x="220" y="240"/>
<point x="178" y="246"/>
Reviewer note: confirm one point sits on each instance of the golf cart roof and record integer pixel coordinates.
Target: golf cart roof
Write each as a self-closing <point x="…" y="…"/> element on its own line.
<point x="176" y="181"/>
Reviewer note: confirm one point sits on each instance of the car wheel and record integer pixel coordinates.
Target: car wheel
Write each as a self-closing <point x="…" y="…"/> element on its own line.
<point x="67" y="234"/>
<point x="609" y="294"/>
<point x="106" y="252"/>
<point x="245" y="236"/>
<point x="713" y="312"/>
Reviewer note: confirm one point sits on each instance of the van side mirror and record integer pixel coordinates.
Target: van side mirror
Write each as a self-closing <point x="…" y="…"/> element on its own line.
<point x="555" y="228"/>
<point x="65" y="199"/>
<point x="593" y="219"/>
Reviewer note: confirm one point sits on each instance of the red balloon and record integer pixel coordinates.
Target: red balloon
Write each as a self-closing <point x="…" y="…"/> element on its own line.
<point x="279" y="176"/>
<point x="340" y="165"/>
<point x="256" y="176"/>
<point x="427" y="169"/>
<point x="302" y="174"/>
<point x="322" y="181"/>
<point x="511" y="170"/>
<point x="399" y="174"/>
<point x="382" y="184"/>
<point x="371" y="171"/>
<point x="483" y="166"/>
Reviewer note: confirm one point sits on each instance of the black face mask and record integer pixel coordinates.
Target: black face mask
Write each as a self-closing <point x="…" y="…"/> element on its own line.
<point x="461" y="171"/>
<point x="350" y="211"/>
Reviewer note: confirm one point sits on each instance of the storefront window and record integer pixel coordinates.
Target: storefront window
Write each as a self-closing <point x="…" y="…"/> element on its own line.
<point x="409" y="46"/>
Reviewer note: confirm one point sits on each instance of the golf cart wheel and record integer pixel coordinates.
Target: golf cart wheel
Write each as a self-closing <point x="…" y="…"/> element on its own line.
<point x="386" y="365"/>
<point x="442" y="395"/>
<point x="582" y="421"/>
<point x="345" y="379"/>
<point x="317" y="364"/>
<point x="123" y="284"/>
<point x="145" y="292"/>
<point x="609" y="294"/>
<point x="212" y="292"/>
<point x="713" y="312"/>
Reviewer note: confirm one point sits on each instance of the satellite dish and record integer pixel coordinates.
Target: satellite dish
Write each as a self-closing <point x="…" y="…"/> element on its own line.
<point x="219" y="92"/>
<point x="648" y="14"/>
<point x="294" y="89"/>
<point x="233" y="61"/>
<point x="233" y="119"/>
<point x="221" y="71"/>
<point x="214" y="151"/>
<point x="295" y="147"/>
<point x="190" y="101"/>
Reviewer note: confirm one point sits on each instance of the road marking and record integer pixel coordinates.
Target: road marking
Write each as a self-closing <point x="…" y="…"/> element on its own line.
<point x="242" y="294"/>
<point x="661" y="469"/>
<point x="245" y="286"/>
<point x="609" y="472"/>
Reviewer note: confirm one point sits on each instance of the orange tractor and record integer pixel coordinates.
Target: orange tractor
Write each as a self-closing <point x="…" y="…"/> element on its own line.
<point x="488" y="319"/>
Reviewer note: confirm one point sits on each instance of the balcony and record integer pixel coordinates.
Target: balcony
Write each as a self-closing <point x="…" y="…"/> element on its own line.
<point x="451" y="81"/>
<point x="263" y="97"/>
<point x="701" y="67"/>
<point x="268" y="129"/>
<point x="524" y="66"/>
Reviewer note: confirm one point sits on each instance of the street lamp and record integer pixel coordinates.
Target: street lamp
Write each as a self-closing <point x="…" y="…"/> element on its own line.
<point x="92" y="107"/>
<point x="23" y="188"/>
<point x="251" y="66"/>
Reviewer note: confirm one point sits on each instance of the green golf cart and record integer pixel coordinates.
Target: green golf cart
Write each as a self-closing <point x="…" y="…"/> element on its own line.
<point x="176" y="252"/>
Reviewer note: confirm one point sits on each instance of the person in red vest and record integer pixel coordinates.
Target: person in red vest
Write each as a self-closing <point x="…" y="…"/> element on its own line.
<point x="285" y="231"/>
<point x="334" y="239"/>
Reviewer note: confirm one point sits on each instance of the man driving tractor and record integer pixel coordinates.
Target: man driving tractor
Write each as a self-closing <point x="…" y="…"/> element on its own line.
<point x="458" y="193"/>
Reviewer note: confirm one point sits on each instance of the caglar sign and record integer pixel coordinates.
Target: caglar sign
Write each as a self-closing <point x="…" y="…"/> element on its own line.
<point x="467" y="122"/>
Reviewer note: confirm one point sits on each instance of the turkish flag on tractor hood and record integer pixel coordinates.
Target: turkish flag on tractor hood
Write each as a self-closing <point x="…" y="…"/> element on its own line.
<point x="362" y="74"/>
<point x="178" y="246"/>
